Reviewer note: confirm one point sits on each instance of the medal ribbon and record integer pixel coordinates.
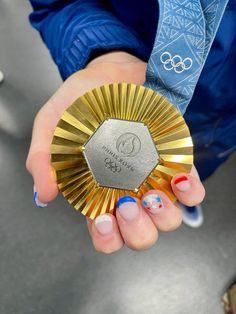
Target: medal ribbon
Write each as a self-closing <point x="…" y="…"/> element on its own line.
<point x="186" y="30"/>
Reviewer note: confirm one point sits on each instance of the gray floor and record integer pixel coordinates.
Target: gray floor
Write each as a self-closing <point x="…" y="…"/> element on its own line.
<point x="47" y="262"/>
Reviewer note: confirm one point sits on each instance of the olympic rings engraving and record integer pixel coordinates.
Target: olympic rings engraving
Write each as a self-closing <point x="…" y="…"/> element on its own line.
<point x="111" y="165"/>
<point x="175" y="63"/>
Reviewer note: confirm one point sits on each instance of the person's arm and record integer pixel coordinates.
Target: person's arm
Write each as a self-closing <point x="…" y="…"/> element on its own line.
<point x="132" y="224"/>
<point x="77" y="31"/>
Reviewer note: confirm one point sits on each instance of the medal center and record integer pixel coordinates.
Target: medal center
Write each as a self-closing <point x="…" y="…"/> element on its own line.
<point x="121" y="154"/>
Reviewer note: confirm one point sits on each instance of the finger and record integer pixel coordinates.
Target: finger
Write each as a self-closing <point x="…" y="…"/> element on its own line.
<point x="136" y="227"/>
<point x="38" y="160"/>
<point x="105" y="234"/>
<point x="188" y="188"/>
<point x="164" y="214"/>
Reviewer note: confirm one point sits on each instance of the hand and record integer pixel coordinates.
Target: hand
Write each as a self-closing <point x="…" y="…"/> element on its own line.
<point x="137" y="227"/>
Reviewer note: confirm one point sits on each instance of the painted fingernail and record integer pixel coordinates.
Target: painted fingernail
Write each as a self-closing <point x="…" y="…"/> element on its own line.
<point x="153" y="203"/>
<point x="36" y="200"/>
<point x="128" y="208"/>
<point x="182" y="183"/>
<point x="103" y="224"/>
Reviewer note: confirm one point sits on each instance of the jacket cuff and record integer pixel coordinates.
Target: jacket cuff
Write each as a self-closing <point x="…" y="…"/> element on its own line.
<point x="96" y="40"/>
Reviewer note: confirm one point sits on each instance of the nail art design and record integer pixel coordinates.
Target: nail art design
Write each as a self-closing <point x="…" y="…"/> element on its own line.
<point x="153" y="203"/>
<point x="182" y="183"/>
<point x="128" y="208"/>
<point x="180" y="179"/>
<point x="103" y="223"/>
<point x="125" y="199"/>
<point x="36" y="200"/>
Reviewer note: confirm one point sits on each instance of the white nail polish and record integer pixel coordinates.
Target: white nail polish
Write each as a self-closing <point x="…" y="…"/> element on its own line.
<point x="153" y="203"/>
<point x="102" y="218"/>
<point x="103" y="224"/>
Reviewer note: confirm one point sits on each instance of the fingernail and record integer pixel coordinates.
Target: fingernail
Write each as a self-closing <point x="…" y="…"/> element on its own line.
<point x="128" y="208"/>
<point x="182" y="183"/>
<point x="103" y="224"/>
<point x="36" y="200"/>
<point x="153" y="203"/>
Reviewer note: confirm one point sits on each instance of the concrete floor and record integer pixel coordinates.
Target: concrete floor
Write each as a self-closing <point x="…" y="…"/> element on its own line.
<point x="47" y="262"/>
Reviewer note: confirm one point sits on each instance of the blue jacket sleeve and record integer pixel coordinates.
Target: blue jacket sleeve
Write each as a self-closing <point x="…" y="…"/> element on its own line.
<point x="75" y="31"/>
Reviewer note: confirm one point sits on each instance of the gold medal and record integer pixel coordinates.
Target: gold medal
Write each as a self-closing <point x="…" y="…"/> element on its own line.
<point x="115" y="140"/>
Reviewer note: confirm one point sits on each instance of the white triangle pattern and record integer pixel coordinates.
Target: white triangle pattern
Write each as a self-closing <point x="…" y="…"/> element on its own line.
<point x="198" y="21"/>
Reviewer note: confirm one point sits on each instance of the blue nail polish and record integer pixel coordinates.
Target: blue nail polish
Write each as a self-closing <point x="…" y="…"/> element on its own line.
<point x="145" y="203"/>
<point x="36" y="200"/>
<point x="125" y="199"/>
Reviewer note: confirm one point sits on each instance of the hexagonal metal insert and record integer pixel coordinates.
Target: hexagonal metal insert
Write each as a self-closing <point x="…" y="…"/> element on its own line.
<point x="121" y="154"/>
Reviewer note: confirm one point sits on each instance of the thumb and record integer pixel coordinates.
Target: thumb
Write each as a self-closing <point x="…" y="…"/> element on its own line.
<point x="38" y="160"/>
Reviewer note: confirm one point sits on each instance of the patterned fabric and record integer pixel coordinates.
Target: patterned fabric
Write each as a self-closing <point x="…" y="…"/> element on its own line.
<point x="184" y="36"/>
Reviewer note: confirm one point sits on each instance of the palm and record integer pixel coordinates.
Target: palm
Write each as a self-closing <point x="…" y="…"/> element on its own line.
<point x="114" y="67"/>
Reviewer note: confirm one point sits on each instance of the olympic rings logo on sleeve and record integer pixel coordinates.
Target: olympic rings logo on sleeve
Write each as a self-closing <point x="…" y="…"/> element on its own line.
<point x="175" y="63"/>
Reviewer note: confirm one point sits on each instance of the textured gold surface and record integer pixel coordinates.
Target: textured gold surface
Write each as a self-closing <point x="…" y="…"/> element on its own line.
<point x="123" y="101"/>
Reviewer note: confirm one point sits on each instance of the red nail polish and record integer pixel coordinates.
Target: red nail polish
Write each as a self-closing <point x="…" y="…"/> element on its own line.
<point x="180" y="179"/>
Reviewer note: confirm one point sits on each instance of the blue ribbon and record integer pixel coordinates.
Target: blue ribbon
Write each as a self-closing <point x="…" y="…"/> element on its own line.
<point x="186" y="30"/>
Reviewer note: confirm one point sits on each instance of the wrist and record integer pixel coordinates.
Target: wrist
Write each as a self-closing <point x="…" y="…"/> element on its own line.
<point x="120" y="66"/>
<point x="115" y="56"/>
